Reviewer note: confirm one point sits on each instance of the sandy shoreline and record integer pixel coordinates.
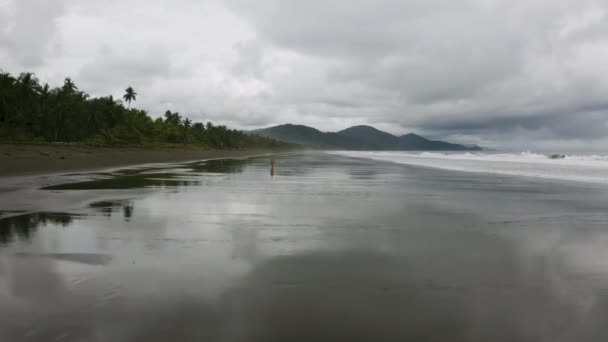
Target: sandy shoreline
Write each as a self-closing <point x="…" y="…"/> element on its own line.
<point x="18" y="160"/>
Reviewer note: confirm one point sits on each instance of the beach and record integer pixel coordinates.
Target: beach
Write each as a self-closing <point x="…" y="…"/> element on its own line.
<point x="18" y="160"/>
<point x="302" y="246"/>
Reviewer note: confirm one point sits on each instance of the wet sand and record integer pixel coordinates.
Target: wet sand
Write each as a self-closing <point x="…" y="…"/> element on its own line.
<point x="16" y="160"/>
<point x="325" y="248"/>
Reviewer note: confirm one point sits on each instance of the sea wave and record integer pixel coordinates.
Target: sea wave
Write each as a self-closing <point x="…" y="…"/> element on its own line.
<point x="574" y="167"/>
<point x="522" y="157"/>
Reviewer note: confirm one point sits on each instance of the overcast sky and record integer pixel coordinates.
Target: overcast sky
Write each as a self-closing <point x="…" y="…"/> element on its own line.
<point x="526" y="74"/>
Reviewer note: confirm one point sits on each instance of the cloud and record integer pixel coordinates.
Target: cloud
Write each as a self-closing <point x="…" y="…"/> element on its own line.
<point x="137" y="67"/>
<point x="456" y="65"/>
<point x="486" y="70"/>
<point x="29" y="32"/>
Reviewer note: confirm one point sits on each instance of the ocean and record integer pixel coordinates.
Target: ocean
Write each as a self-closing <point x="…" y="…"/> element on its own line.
<point x="582" y="167"/>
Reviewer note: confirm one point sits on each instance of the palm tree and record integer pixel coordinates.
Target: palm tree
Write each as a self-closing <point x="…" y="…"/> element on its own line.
<point x="28" y="81"/>
<point x="45" y="93"/>
<point x="68" y="86"/>
<point x="28" y="87"/>
<point x="130" y="95"/>
<point x="45" y="90"/>
<point x="187" y="124"/>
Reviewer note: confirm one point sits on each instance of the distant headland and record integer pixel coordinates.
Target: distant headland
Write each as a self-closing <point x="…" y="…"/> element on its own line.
<point x="358" y="138"/>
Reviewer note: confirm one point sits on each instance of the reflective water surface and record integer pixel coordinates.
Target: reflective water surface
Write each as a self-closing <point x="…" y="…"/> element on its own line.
<point x="327" y="248"/>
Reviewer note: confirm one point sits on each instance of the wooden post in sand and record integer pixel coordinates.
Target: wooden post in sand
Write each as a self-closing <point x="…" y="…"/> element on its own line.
<point x="272" y="167"/>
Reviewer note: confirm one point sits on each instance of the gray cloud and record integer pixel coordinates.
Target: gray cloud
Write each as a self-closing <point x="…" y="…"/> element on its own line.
<point x="110" y="68"/>
<point x="501" y="73"/>
<point x="29" y="29"/>
<point x="468" y="65"/>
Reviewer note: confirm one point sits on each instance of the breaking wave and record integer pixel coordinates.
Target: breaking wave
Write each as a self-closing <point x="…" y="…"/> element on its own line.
<point x="574" y="167"/>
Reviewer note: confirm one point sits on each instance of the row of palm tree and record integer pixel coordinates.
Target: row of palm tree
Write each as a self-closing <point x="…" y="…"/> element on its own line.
<point x="35" y="112"/>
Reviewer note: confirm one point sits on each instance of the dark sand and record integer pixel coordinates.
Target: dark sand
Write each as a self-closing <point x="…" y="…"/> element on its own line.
<point x="328" y="249"/>
<point x="18" y="160"/>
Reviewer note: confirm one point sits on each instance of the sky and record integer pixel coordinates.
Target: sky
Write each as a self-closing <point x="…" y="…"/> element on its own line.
<point x="512" y="74"/>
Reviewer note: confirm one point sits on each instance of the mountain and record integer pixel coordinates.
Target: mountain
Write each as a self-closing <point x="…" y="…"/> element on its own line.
<point x="372" y="138"/>
<point x="357" y="138"/>
<point x="304" y="135"/>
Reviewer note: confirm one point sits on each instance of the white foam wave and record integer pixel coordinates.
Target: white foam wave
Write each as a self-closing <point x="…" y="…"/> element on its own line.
<point x="584" y="168"/>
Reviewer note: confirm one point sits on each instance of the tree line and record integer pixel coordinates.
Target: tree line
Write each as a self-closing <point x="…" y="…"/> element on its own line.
<point x="35" y="112"/>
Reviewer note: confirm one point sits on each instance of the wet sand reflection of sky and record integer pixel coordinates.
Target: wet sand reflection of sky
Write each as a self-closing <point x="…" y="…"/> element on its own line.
<point x="329" y="248"/>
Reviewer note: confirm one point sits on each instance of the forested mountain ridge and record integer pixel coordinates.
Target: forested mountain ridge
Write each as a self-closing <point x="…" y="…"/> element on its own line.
<point x="35" y="112"/>
<point x="304" y="135"/>
<point x="358" y="138"/>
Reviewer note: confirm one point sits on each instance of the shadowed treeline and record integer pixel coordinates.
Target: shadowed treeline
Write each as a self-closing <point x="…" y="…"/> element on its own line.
<point x="35" y="112"/>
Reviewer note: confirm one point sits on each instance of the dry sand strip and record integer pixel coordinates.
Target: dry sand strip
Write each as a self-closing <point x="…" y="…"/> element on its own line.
<point x="21" y="160"/>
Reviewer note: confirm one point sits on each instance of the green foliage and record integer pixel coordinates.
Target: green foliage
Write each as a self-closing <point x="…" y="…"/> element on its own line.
<point x="34" y="112"/>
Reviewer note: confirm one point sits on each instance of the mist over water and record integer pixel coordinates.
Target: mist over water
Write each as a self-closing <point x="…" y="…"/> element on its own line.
<point x="313" y="247"/>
